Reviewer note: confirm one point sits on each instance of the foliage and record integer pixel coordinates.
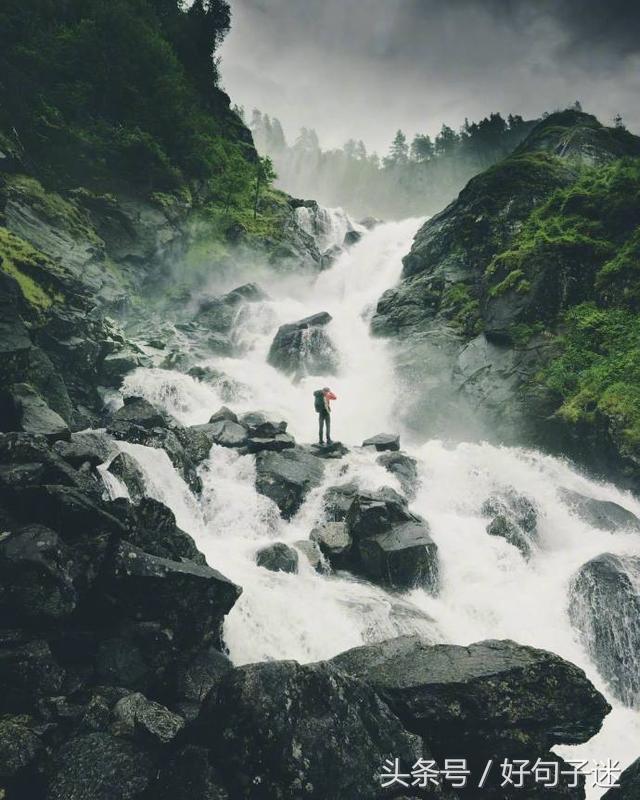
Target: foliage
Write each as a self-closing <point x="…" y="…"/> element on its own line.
<point x="413" y="179"/>
<point x="121" y="93"/>
<point x="32" y="271"/>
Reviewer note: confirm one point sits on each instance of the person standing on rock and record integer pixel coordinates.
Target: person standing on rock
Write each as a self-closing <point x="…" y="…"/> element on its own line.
<point x="322" y="404"/>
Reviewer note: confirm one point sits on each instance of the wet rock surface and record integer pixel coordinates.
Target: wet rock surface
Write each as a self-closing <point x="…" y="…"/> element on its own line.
<point x="383" y="441"/>
<point x="304" y="347"/>
<point x="513" y="518"/>
<point x="287" y="477"/>
<point x="278" y="557"/>
<point x="604" y="607"/>
<point x="600" y="513"/>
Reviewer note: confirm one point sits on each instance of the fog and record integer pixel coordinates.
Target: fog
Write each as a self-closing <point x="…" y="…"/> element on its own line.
<point x="365" y="68"/>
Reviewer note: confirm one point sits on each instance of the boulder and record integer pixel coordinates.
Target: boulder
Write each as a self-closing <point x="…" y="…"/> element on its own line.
<point x="605" y="608"/>
<point x="405" y="557"/>
<point x="514" y="518"/>
<point x="287" y="477"/>
<point x="137" y="413"/>
<point x="225" y="432"/>
<point x="266" y="434"/>
<point x="629" y="784"/>
<point x="28" y="672"/>
<point x="312" y="552"/>
<point x="603" y="514"/>
<point x="351" y="238"/>
<point x="403" y="467"/>
<point x="23" y="409"/>
<point x="35" y="576"/>
<point x="332" y="450"/>
<point x="87" y="447"/>
<point x="99" y="766"/>
<point x="147" y="720"/>
<point x="383" y="441"/>
<point x="19" y="747"/>
<point x="297" y="730"/>
<point x="278" y="557"/>
<point x="119" y="363"/>
<point x="304" y="347"/>
<point x="191" y="600"/>
<point x="488" y="698"/>
<point x="151" y="526"/>
<point x="337" y="500"/>
<point x="217" y="314"/>
<point x="127" y="469"/>
<point x="189" y="775"/>
<point x="371" y="513"/>
<point x="334" y="541"/>
<point x="202" y="672"/>
<point x="223" y="413"/>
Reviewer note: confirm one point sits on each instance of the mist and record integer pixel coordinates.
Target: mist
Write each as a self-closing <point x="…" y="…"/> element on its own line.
<point x="363" y="70"/>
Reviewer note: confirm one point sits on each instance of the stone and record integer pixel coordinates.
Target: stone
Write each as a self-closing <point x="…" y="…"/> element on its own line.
<point x="277" y="443"/>
<point x="334" y="541"/>
<point x="23" y="409"/>
<point x="298" y="730"/>
<point x="147" y="719"/>
<point x="99" y="766"/>
<point x="403" y="558"/>
<point x="604" y="607"/>
<point x="312" y="552"/>
<point x="35" y="576"/>
<point x="304" y="347"/>
<point x="383" y="441"/>
<point x="287" y="477"/>
<point x="490" y="697"/>
<point x="603" y="514"/>
<point x="190" y="775"/>
<point x="403" y="467"/>
<point x="278" y="557"/>
<point x="351" y="238"/>
<point x="28" y="672"/>
<point x="19" y="746"/>
<point x="223" y="413"/>
<point x="127" y="469"/>
<point x="189" y="599"/>
<point x="337" y="500"/>
<point x="116" y="365"/>
<point x="225" y="432"/>
<point x="371" y="513"/>
<point x="332" y="450"/>
<point x="202" y="673"/>
<point x="138" y="413"/>
<point x="514" y="518"/>
<point x="88" y="447"/>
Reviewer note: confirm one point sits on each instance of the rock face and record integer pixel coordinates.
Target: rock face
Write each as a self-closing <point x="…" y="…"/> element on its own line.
<point x="126" y="468"/>
<point x="287" y="477"/>
<point x="477" y="315"/>
<point x="335" y="543"/>
<point x="602" y="514"/>
<point x="278" y="557"/>
<point x="605" y="608"/>
<point x="490" y="697"/>
<point x="297" y="730"/>
<point x="513" y="517"/>
<point x="304" y="348"/>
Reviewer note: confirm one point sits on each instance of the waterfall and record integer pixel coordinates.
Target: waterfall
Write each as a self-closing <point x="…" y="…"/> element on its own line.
<point x="488" y="588"/>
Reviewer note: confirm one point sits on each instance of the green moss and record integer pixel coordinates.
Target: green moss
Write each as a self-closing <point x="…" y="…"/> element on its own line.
<point x="514" y="280"/>
<point x="52" y="207"/>
<point x="27" y="265"/>
<point x="462" y="308"/>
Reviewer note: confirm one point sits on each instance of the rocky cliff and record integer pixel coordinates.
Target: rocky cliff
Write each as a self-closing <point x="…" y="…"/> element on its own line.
<point x="514" y="299"/>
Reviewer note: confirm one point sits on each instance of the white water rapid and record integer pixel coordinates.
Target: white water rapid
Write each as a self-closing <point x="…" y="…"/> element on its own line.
<point x="488" y="589"/>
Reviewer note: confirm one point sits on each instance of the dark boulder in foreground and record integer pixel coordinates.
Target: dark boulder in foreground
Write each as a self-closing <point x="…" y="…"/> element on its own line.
<point x="304" y="347"/>
<point x="99" y="766"/>
<point x="629" y="784"/>
<point x="602" y="514"/>
<point x="139" y="413"/>
<point x="605" y="608"/>
<point x="190" y="775"/>
<point x="403" y="558"/>
<point x="383" y="441"/>
<point x="285" y="730"/>
<point x="490" y="697"/>
<point x="287" y="477"/>
<point x="278" y="557"/>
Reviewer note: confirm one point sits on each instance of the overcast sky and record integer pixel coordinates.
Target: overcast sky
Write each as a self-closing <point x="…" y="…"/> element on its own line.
<point x="364" y="68"/>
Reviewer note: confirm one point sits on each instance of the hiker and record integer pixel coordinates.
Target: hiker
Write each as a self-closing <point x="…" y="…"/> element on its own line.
<point x="322" y="404"/>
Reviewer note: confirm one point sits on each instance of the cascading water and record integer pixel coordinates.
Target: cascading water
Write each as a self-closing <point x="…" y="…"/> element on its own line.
<point x="488" y="589"/>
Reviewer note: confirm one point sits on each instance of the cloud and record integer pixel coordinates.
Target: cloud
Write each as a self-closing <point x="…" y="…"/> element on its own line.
<point x="363" y="68"/>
